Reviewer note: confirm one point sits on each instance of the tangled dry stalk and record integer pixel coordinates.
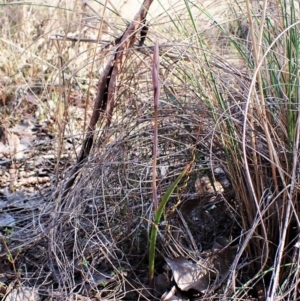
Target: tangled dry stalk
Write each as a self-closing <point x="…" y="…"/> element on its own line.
<point x="233" y="218"/>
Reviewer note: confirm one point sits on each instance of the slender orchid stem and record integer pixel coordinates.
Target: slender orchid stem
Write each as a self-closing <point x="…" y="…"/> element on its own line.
<point x="156" y="87"/>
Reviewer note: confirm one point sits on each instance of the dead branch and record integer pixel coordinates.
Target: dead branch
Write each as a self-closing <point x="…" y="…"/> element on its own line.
<point x="104" y="102"/>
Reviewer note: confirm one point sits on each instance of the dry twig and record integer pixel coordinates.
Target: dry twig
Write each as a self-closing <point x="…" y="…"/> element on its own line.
<point x="104" y="102"/>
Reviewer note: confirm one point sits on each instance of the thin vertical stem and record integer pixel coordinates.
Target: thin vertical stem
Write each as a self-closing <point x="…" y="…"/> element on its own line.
<point x="156" y="89"/>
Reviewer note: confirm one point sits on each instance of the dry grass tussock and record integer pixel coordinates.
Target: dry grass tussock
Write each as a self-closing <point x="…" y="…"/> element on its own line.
<point x="228" y="108"/>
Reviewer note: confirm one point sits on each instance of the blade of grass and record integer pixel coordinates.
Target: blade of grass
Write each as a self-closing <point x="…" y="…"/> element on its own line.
<point x="156" y="221"/>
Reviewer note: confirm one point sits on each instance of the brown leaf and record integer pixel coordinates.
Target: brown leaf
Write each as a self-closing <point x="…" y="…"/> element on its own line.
<point x="169" y="296"/>
<point x="32" y="99"/>
<point x="213" y="265"/>
<point x="22" y="294"/>
<point x="188" y="275"/>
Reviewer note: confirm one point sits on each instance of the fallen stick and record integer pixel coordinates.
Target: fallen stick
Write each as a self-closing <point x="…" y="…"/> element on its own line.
<point x="104" y="102"/>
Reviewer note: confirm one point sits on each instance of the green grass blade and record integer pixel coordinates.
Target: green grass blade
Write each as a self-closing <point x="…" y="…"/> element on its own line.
<point x="157" y="218"/>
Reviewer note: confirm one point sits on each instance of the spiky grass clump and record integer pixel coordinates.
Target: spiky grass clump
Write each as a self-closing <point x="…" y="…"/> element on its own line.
<point x="257" y="127"/>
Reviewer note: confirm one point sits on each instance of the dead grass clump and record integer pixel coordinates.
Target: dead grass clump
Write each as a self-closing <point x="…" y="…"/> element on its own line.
<point x="233" y="116"/>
